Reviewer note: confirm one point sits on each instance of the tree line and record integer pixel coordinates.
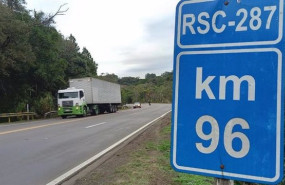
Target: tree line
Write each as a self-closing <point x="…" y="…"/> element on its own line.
<point x="153" y="88"/>
<point x="36" y="61"/>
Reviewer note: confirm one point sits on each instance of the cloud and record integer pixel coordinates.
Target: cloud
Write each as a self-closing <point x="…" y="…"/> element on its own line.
<point x="155" y="53"/>
<point x="123" y="36"/>
<point x="139" y="66"/>
<point x="161" y="29"/>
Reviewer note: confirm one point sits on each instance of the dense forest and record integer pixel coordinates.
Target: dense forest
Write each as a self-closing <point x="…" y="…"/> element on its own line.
<point x="151" y="89"/>
<point x="36" y="60"/>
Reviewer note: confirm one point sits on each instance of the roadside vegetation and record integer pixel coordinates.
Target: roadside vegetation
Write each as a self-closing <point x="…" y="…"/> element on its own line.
<point x="36" y="61"/>
<point x="154" y="89"/>
<point x="144" y="161"/>
<point x="151" y="163"/>
<point x="153" y="160"/>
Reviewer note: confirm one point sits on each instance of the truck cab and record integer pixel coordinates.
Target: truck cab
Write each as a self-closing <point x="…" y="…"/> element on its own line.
<point x="71" y="101"/>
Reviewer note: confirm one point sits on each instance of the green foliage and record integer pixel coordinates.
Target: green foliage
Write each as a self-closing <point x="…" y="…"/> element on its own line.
<point x="127" y="95"/>
<point x="44" y="104"/>
<point x="17" y="5"/>
<point x="155" y="89"/>
<point x="21" y="107"/>
<point x="35" y="59"/>
<point x="129" y="80"/>
<point x="15" y="51"/>
<point x="186" y="179"/>
<point x="79" y="64"/>
<point x="109" y="77"/>
<point x="153" y="158"/>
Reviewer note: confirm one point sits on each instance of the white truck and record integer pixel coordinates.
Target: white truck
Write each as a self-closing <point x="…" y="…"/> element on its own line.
<point x="88" y="96"/>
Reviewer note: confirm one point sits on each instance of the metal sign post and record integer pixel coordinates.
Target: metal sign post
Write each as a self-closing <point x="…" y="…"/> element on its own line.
<point x="224" y="182"/>
<point x="229" y="90"/>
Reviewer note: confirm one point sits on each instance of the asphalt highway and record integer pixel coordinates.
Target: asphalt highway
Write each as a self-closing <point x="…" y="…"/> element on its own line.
<point x="37" y="152"/>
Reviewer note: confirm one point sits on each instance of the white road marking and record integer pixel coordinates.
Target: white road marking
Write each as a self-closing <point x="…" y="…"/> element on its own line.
<point x="95" y="157"/>
<point x="96" y="125"/>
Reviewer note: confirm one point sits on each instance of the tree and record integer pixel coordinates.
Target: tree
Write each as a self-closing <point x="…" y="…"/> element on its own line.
<point x="15" y="50"/>
<point x="167" y="76"/>
<point x="49" y="72"/>
<point x="149" y="76"/>
<point x="109" y="77"/>
<point x="127" y="95"/>
<point x="35" y="59"/>
<point x="49" y="20"/>
<point x="154" y="88"/>
<point x="70" y="52"/>
<point x="91" y="66"/>
<point x="16" y="57"/>
<point x="129" y="80"/>
<point x="15" y="5"/>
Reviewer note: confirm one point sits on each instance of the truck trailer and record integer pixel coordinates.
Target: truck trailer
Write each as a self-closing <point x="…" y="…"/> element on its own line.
<point x="88" y="96"/>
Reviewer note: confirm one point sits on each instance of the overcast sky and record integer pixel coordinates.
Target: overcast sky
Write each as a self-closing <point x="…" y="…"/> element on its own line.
<point x="125" y="37"/>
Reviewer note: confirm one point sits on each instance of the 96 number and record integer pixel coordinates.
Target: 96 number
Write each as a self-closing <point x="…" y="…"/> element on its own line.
<point x="229" y="136"/>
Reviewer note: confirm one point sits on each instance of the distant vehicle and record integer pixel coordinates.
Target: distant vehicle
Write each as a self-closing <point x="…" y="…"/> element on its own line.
<point x="137" y="105"/>
<point x="88" y="95"/>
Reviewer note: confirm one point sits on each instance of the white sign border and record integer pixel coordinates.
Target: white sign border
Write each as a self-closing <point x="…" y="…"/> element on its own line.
<point x="280" y="30"/>
<point x="278" y="121"/>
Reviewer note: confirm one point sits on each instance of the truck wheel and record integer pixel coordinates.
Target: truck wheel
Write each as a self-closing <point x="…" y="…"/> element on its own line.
<point x="101" y="110"/>
<point x="63" y="117"/>
<point x="109" y="109"/>
<point x="84" y="112"/>
<point x="95" y="112"/>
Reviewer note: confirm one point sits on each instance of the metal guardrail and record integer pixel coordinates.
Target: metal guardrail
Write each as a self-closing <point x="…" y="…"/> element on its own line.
<point x="49" y="114"/>
<point x="19" y="114"/>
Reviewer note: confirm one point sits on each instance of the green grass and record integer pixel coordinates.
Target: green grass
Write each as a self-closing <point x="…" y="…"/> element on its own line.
<point x="179" y="178"/>
<point x="151" y="165"/>
<point x="186" y="179"/>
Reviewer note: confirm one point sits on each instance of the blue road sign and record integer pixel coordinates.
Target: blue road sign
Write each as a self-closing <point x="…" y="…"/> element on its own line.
<point x="228" y="101"/>
<point x="205" y="23"/>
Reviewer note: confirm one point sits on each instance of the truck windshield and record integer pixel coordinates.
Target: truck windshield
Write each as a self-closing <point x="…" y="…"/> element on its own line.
<point x="68" y="95"/>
